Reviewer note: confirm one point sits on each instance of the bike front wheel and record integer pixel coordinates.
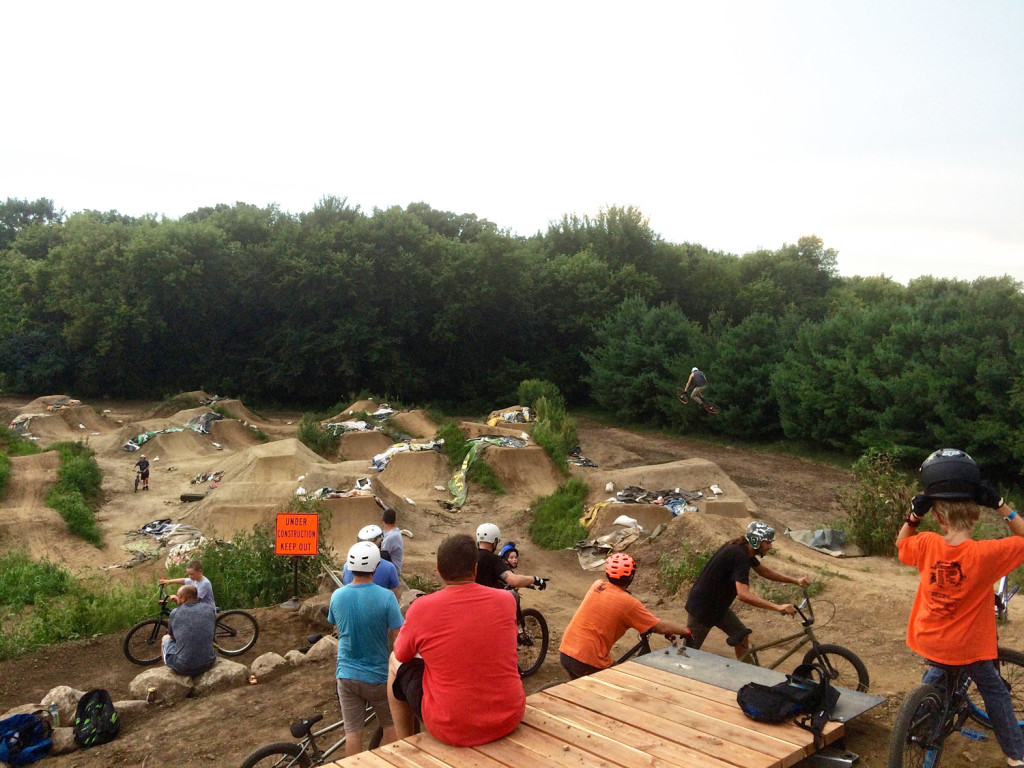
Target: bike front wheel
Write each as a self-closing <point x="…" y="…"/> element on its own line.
<point x="236" y="632"/>
<point x="1010" y="665"/>
<point x="143" y="645"/>
<point x="711" y="408"/>
<point x="280" y="754"/>
<point x="683" y="397"/>
<point x="848" y="670"/>
<point x="532" y="642"/>
<point x="917" y="734"/>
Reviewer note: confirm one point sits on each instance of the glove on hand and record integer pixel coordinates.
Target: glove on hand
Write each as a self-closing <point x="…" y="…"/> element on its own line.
<point x="920" y="504"/>
<point x="539" y="583"/>
<point x="987" y="496"/>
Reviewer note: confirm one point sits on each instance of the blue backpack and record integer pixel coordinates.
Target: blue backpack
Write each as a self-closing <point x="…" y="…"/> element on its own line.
<point x="24" y="739"/>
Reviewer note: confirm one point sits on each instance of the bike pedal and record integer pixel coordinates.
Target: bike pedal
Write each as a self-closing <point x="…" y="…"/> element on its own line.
<point x="974" y="735"/>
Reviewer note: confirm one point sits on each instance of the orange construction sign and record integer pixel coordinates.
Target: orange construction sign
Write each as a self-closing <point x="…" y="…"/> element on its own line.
<point x="296" y="534"/>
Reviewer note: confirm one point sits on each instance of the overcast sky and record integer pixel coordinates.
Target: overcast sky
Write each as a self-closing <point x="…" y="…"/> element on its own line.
<point x="892" y="130"/>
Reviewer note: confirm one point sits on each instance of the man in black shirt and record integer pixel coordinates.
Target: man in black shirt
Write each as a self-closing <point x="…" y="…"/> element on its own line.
<point x="725" y="577"/>
<point x="491" y="570"/>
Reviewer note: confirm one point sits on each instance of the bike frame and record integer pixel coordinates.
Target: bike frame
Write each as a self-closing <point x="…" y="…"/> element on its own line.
<point x="804" y="636"/>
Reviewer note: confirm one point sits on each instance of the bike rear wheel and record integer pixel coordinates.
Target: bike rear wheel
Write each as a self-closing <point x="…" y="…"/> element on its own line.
<point x="1010" y="665"/>
<point x="143" y="645"/>
<point x="532" y="642"/>
<point x="917" y="736"/>
<point x="280" y="754"/>
<point x="236" y="632"/>
<point x="711" y="407"/>
<point x="683" y="397"/>
<point x="849" y="670"/>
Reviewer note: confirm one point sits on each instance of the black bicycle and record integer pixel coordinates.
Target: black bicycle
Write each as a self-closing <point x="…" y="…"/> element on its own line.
<point x="531" y="640"/>
<point x="235" y="633"/>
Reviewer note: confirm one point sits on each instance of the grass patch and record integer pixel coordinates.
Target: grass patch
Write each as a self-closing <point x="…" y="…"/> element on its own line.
<point x="418" y="583"/>
<point x="13" y="444"/>
<point x="25" y="582"/>
<point x="776" y="592"/>
<point x="555" y="519"/>
<point x="673" y="572"/>
<point x="316" y="438"/>
<point x="76" y="494"/>
<point x="5" y="473"/>
<point x="172" y="405"/>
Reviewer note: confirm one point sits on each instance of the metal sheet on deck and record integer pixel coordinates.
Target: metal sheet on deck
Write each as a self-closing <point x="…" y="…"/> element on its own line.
<point x="731" y="675"/>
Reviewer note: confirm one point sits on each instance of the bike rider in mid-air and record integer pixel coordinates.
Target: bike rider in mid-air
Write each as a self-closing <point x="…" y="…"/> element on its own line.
<point x="700" y="382"/>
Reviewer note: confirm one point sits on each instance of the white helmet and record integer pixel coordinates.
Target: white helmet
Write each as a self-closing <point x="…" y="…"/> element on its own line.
<point x="488" y="533"/>
<point x="694" y="369"/>
<point x="370" y="532"/>
<point x="363" y="557"/>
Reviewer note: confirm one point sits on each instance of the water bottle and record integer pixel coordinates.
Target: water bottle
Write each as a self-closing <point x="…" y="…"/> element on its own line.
<point x="54" y="715"/>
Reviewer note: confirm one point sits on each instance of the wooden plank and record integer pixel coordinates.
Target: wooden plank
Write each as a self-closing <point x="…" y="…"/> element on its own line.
<point x="587" y="688"/>
<point x="596" y="743"/>
<point x="654" y="734"/>
<point x="402" y="754"/>
<point x="461" y="757"/>
<point x="527" y="746"/>
<point x="362" y="760"/>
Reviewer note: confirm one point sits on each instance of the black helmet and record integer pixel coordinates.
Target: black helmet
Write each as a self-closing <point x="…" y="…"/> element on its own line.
<point x="950" y="473"/>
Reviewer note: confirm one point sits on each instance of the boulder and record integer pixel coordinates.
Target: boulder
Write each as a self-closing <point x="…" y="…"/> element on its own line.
<point x="294" y="657"/>
<point x="169" y="685"/>
<point x="268" y="662"/>
<point x="66" y="698"/>
<point x="24" y="709"/>
<point x="223" y="674"/>
<point x="63" y="740"/>
<point x="314" y="610"/>
<point x="130" y="710"/>
<point x="326" y="648"/>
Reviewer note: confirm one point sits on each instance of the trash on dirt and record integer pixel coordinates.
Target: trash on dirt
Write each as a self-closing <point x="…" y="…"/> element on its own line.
<point x="380" y="461"/>
<point x="592" y="553"/>
<point x="574" y="457"/>
<point x="182" y="553"/>
<point x="830" y="541"/>
<point x="332" y="493"/>
<point x="203" y="477"/>
<point x="352" y="425"/>
<point x="201" y="423"/>
<point x="457" y="485"/>
<point x="626" y="520"/>
<point x="515" y="414"/>
<point x="136" y="442"/>
<point x="300" y="491"/>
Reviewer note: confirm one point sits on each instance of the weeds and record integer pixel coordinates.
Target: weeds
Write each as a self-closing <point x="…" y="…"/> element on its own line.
<point x="316" y="438"/>
<point x="24" y="582"/>
<point x="775" y="592"/>
<point x="673" y="572"/>
<point x="555" y="520"/>
<point x="76" y="493"/>
<point x="875" y="503"/>
<point x="13" y="444"/>
<point x="418" y="583"/>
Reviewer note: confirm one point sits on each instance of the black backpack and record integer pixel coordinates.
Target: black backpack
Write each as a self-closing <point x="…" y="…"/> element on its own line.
<point x="25" y="738"/>
<point x="95" y="719"/>
<point x="808" y="701"/>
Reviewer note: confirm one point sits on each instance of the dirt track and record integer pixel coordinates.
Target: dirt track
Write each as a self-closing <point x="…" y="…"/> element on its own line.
<point x="871" y="596"/>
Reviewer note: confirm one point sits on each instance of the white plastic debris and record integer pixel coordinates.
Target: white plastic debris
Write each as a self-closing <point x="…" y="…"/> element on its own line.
<point x="410" y="501"/>
<point x="218" y="446"/>
<point x="301" y="478"/>
<point x="438" y="487"/>
<point x="300" y="491"/>
<point x="716" y="490"/>
<point x="610" y="487"/>
<point x="156" y="458"/>
<point x="626" y="520"/>
<point x="81" y="426"/>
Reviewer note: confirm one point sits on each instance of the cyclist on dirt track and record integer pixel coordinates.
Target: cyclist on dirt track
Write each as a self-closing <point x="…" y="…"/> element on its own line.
<point x="700" y="382"/>
<point x="143" y="465"/>
<point x="603" y="617"/>
<point x="725" y="577"/>
<point x="953" y="622"/>
<point x="491" y="570"/>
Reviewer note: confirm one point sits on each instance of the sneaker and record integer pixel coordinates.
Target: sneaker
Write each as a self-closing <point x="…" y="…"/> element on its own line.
<point x="1010" y="761"/>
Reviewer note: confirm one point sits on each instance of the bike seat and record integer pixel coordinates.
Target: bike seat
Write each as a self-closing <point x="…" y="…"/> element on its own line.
<point x="738" y="638"/>
<point x="302" y="728"/>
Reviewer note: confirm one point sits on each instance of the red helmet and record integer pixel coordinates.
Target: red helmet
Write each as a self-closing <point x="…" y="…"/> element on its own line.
<point x="620" y="566"/>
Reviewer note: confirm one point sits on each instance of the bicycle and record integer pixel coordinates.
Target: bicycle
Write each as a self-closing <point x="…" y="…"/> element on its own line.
<point x="842" y="665"/>
<point x="138" y="478"/>
<point x="235" y="633"/>
<point x="531" y="639"/>
<point x="306" y="752"/>
<point x="684" y="397"/>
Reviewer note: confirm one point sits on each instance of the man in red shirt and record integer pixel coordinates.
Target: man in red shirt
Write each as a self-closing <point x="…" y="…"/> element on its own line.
<point x="454" y="664"/>
<point x="953" y="620"/>
<point x="605" y="614"/>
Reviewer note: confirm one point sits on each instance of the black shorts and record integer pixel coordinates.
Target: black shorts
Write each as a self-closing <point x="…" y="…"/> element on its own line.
<point x="408" y="685"/>
<point x="576" y="668"/>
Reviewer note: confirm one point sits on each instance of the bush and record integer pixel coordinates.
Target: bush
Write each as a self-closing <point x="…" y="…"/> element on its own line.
<point x="532" y="390"/>
<point x="76" y="493"/>
<point x="876" y="503"/>
<point x="24" y="582"/>
<point x="555" y="520"/>
<point x="14" y="444"/>
<point x="455" y="445"/>
<point x="316" y="438"/>
<point x="673" y="572"/>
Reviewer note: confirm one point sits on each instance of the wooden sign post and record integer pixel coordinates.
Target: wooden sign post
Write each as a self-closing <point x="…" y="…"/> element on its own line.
<point x="296" y="535"/>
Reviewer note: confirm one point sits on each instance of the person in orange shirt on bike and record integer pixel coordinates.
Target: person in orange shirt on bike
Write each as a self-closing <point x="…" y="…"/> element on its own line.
<point x="953" y="620"/>
<point x="603" y="617"/>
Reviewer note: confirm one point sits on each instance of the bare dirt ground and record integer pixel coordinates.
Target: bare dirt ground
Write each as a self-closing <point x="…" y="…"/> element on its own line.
<point x="864" y="606"/>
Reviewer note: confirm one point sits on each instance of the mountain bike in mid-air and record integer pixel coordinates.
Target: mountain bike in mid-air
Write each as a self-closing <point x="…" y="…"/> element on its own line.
<point x="684" y="397"/>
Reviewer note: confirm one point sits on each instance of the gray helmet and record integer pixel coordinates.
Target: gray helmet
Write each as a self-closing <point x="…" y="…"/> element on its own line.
<point x="949" y="473"/>
<point x="758" y="533"/>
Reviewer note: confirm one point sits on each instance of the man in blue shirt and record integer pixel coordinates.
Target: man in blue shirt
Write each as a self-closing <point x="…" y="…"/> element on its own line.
<point x="385" y="575"/>
<point x="367" y="617"/>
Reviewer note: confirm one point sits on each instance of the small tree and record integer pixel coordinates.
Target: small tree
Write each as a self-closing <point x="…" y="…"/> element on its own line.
<point x="876" y="503"/>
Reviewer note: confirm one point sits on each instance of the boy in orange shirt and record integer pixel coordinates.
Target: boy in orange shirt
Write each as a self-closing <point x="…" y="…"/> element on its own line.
<point x="953" y="620"/>
<point x="605" y="614"/>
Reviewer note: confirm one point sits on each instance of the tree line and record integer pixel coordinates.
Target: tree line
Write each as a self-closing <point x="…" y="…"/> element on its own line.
<point x="420" y="305"/>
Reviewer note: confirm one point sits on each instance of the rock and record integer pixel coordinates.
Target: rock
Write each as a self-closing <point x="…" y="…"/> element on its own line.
<point x="129" y="710"/>
<point x="170" y="686"/>
<point x="314" y="610"/>
<point x="223" y="674"/>
<point x="24" y="709"/>
<point x="295" y="657"/>
<point x="63" y="740"/>
<point x="408" y="595"/>
<point x="268" y="662"/>
<point x="66" y="698"/>
<point x="325" y="648"/>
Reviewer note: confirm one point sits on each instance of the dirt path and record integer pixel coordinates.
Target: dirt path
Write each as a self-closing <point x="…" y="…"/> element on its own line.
<point x="864" y="606"/>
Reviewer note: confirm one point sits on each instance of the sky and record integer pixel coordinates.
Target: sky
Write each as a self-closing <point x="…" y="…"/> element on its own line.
<point x="894" y="131"/>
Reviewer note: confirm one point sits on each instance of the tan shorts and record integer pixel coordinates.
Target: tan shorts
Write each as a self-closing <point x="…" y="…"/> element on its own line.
<point x="354" y="695"/>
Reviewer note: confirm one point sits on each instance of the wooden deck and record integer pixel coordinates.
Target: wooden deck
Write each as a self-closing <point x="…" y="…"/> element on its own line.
<point x="629" y="716"/>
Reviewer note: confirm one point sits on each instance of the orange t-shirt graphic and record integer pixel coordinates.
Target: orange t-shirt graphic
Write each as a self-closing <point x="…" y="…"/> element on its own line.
<point x="953" y="620"/>
<point x="603" y="617"/>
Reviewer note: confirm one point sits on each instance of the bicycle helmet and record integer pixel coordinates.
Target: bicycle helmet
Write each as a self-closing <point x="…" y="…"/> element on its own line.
<point x="509" y="547"/>
<point x="370" y="532"/>
<point x="488" y="533"/>
<point x="363" y="557"/>
<point x="758" y="533"/>
<point x="620" y="566"/>
<point x="949" y="473"/>
<point x="694" y="369"/>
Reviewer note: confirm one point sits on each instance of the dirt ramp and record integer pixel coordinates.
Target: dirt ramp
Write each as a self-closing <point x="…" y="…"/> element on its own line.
<point x="177" y="446"/>
<point x="524" y="472"/>
<point x="363" y="445"/>
<point x="232" y="434"/>
<point x="341" y="475"/>
<point x="237" y="409"/>
<point x="473" y="429"/>
<point x="31" y="478"/>
<point x="413" y="474"/>
<point x="273" y="462"/>
<point x="415" y="423"/>
<point x="181" y="418"/>
<point x="51" y="428"/>
<point x="79" y="415"/>
<point x="347" y="517"/>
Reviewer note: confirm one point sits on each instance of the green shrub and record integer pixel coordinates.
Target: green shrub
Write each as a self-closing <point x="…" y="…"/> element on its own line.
<point x="14" y="444"/>
<point x="455" y="445"/>
<point x="5" y="473"/>
<point x="482" y="473"/>
<point x="555" y="520"/>
<point x="172" y="405"/>
<point x="316" y="438"/>
<point x="418" y="583"/>
<point x="24" y="581"/>
<point x="875" y="504"/>
<point x="673" y="572"/>
<point x="532" y="390"/>
<point x="76" y="493"/>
